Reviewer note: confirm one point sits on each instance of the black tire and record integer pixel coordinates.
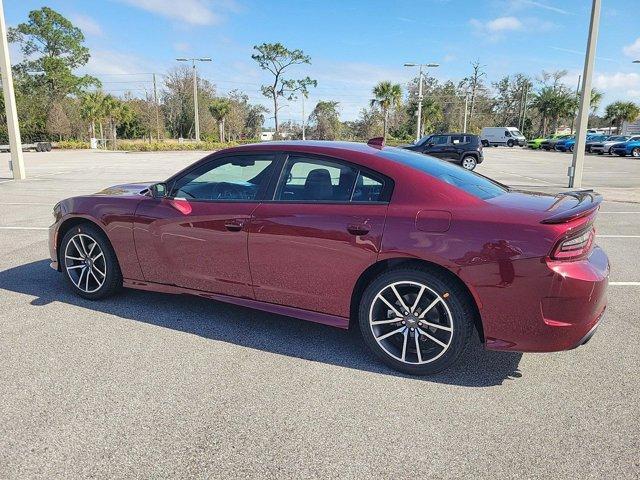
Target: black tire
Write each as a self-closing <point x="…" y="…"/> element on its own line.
<point x="510" y="143"/>
<point x="635" y="152"/>
<point x="48" y="147"/>
<point x="112" y="280"/>
<point x="38" y="147"/>
<point x="469" y="162"/>
<point x="485" y="143"/>
<point x="453" y="298"/>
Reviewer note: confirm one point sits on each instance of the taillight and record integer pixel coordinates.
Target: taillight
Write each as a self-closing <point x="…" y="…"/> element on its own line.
<point x="574" y="246"/>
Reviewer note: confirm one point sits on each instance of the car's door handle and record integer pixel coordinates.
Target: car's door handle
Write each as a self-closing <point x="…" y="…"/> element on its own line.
<point x="359" y="229"/>
<point x="234" y="225"/>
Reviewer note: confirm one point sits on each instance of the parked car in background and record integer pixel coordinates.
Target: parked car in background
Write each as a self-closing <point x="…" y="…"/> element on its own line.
<point x="423" y="256"/>
<point x="536" y="143"/>
<point x="509" y="136"/>
<point x="630" y="147"/>
<point x="564" y="144"/>
<point x="593" y="139"/>
<point x="605" y="146"/>
<point x="550" y="143"/>
<point x="569" y="144"/>
<point x="461" y="148"/>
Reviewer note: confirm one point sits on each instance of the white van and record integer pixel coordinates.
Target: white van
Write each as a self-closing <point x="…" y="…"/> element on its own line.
<point x="509" y="136"/>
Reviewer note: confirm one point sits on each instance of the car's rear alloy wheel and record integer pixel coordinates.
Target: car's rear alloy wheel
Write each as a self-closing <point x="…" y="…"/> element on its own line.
<point x="89" y="262"/>
<point x="635" y="152"/>
<point x="415" y="321"/>
<point x="469" y="162"/>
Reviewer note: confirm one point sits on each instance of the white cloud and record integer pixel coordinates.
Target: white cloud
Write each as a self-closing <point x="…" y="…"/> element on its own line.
<point x="633" y="50"/>
<point x="619" y="81"/>
<point x="87" y="24"/>
<point x="194" y="12"/>
<point x="501" y="24"/>
<point x="181" y="47"/>
<point x="110" y="62"/>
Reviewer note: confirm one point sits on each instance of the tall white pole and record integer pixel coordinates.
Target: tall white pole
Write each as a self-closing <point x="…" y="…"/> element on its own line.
<point x="419" y="123"/>
<point x="466" y="103"/>
<point x="303" y="119"/>
<point x="577" y="164"/>
<point x="16" y="163"/>
<point x="195" y="101"/>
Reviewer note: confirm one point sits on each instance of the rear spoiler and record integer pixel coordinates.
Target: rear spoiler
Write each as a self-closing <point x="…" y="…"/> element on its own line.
<point x="588" y="202"/>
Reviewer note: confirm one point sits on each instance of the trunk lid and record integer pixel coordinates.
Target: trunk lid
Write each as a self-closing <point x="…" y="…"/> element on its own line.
<point x="551" y="208"/>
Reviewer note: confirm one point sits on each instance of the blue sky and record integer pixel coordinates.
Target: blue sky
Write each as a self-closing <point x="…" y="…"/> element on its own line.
<point x="353" y="43"/>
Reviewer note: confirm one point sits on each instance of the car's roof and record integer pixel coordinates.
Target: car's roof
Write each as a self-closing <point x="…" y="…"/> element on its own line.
<point x="305" y="145"/>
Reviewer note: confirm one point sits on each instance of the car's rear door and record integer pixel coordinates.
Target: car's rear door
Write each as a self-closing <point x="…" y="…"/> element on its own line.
<point x="197" y="237"/>
<point x="321" y="230"/>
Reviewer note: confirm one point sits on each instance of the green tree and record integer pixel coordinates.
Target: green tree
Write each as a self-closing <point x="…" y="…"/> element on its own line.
<point x="219" y="109"/>
<point x="52" y="48"/>
<point x="116" y="112"/>
<point x="387" y="96"/>
<point x="276" y="58"/>
<point x="325" y="121"/>
<point x="92" y="109"/>
<point x="619" y="112"/>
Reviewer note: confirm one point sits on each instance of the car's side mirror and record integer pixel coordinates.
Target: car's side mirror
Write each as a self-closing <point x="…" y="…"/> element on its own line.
<point x="158" y="190"/>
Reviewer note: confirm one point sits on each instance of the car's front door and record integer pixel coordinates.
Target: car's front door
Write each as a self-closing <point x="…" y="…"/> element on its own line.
<point x="321" y="230"/>
<point x="436" y="146"/>
<point x="196" y="238"/>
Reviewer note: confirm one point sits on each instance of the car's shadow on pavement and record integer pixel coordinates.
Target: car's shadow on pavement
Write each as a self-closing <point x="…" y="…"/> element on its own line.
<point x="252" y="328"/>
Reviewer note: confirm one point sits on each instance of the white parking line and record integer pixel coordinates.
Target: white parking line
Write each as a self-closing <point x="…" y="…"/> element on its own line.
<point x="617" y="236"/>
<point x="624" y="283"/>
<point x="24" y="203"/>
<point x="24" y="228"/>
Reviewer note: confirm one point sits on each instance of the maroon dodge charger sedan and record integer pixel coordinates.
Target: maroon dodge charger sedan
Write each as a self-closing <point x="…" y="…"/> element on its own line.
<point x="416" y="252"/>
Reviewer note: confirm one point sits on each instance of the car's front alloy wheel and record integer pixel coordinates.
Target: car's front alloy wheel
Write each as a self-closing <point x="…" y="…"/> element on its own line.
<point x="416" y="321"/>
<point x="89" y="262"/>
<point x="85" y="263"/>
<point x="635" y="152"/>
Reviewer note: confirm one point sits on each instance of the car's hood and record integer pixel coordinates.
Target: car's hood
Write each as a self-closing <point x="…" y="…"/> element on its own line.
<point x="126" y="189"/>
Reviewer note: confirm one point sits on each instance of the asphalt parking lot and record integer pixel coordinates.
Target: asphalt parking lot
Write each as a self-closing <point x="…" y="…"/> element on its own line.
<point x="152" y="385"/>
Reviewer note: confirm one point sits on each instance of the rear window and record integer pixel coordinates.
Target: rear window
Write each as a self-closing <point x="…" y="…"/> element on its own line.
<point x="472" y="183"/>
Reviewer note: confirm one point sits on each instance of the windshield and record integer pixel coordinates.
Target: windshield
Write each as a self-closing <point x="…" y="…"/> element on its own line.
<point x="516" y="133"/>
<point x="617" y="139"/>
<point x="472" y="183"/>
<point x="423" y="140"/>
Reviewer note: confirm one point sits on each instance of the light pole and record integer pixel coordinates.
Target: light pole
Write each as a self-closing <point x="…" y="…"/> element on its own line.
<point x="195" y="90"/>
<point x="420" y="97"/>
<point x="577" y="163"/>
<point x="13" y="127"/>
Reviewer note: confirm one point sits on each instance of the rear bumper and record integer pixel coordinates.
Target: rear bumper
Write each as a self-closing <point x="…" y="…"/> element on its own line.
<point x="562" y="310"/>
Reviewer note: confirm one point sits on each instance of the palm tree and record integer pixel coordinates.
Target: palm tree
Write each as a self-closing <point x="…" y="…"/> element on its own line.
<point x="619" y="112"/>
<point x="596" y="98"/>
<point x="387" y="95"/>
<point x="219" y="108"/>
<point x="92" y="109"/>
<point x="116" y="112"/>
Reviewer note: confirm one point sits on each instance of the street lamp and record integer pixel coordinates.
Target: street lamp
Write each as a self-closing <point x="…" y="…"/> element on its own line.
<point x="421" y="65"/>
<point x="195" y="89"/>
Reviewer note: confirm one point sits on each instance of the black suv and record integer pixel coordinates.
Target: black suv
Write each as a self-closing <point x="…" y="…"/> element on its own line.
<point x="461" y="148"/>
